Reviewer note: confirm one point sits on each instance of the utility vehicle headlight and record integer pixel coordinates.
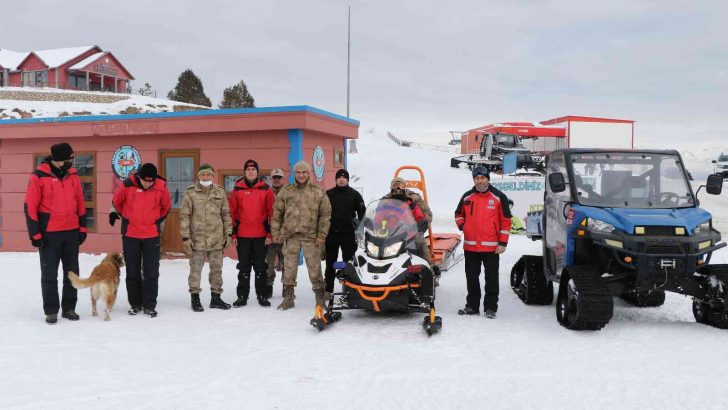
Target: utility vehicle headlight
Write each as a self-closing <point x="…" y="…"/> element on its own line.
<point x="612" y="242"/>
<point x="599" y="226"/>
<point x="372" y="249"/>
<point x="392" y="250"/>
<point x="703" y="227"/>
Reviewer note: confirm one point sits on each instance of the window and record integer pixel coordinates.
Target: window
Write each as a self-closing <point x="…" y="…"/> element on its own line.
<point x="338" y="157"/>
<point x="77" y="81"/>
<point x="227" y="178"/>
<point x="85" y="164"/>
<point x="35" y="78"/>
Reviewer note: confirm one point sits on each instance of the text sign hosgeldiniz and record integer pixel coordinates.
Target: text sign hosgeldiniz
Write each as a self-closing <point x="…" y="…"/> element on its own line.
<point x="125" y="160"/>
<point x="319" y="163"/>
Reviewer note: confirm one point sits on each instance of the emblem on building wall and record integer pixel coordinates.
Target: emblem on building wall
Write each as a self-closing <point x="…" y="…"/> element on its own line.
<point x="319" y="163"/>
<point x="125" y="160"/>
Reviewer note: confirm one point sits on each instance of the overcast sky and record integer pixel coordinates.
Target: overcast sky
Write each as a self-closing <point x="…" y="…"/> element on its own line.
<point x="421" y="68"/>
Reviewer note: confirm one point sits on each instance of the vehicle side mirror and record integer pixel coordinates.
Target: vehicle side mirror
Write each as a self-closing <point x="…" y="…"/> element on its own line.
<point x="557" y="182"/>
<point x="714" y="186"/>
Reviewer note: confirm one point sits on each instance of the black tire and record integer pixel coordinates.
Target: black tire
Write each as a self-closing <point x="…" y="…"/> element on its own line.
<point x="701" y="312"/>
<point x="644" y="298"/>
<point x="714" y="316"/>
<point x="529" y="282"/>
<point x="583" y="301"/>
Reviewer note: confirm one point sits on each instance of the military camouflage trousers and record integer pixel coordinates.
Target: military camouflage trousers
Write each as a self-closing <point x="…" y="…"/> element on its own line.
<point x="311" y="253"/>
<point x="197" y="260"/>
<point x="275" y="251"/>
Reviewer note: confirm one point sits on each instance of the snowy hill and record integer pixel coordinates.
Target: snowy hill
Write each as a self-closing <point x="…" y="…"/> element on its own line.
<point x="261" y="358"/>
<point x="16" y="103"/>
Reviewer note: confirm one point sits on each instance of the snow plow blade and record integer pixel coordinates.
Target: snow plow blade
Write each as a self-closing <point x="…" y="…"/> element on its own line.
<point x="443" y="246"/>
<point x="431" y="323"/>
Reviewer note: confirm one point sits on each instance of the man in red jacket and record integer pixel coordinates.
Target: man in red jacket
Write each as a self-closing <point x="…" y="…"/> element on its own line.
<point x="56" y="217"/>
<point x="485" y="219"/>
<point x="251" y="208"/>
<point x="142" y="203"/>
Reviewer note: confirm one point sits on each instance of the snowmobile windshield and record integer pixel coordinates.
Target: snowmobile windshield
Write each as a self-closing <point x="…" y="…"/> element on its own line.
<point x="388" y="229"/>
<point x="631" y="180"/>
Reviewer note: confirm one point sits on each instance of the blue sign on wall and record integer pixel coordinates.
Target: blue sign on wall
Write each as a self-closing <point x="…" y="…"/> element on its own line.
<point x="319" y="163"/>
<point x="126" y="159"/>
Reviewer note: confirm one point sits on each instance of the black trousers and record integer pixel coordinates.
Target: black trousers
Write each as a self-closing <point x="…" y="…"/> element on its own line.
<point x="490" y="262"/>
<point x="59" y="247"/>
<point x="251" y="256"/>
<point x="138" y="253"/>
<point x="347" y="242"/>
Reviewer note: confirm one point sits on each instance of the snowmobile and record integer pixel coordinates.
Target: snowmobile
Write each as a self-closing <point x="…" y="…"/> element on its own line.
<point x="385" y="273"/>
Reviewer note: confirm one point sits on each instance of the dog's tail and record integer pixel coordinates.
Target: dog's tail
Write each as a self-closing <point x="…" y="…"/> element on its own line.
<point x="77" y="282"/>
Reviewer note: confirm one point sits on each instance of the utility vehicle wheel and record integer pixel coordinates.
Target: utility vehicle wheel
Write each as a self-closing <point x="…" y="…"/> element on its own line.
<point x="583" y="301"/>
<point x="701" y="312"/>
<point x="529" y="282"/>
<point x="644" y="298"/>
<point x="704" y="313"/>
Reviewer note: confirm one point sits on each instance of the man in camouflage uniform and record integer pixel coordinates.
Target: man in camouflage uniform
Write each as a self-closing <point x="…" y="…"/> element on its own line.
<point x="301" y="218"/>
<point x="206" y="227"/>
<point x="275" y="250"/>
<point x="398" y="191"/>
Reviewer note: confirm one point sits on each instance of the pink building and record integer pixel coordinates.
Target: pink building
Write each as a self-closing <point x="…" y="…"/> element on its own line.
<point x="108" y="147"/>
<point x="77" y="68"/>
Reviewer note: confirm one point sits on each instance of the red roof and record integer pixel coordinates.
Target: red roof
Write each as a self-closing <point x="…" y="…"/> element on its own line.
<point x="523" y="129"/>
<point x="576" y="118"/>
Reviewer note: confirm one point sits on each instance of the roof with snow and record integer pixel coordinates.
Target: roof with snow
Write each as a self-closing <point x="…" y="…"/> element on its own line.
<point x="59" y="56"/>
<point x="52" y="57"/>
<point x="88" y="60"/>
<point x="10" y="59"/>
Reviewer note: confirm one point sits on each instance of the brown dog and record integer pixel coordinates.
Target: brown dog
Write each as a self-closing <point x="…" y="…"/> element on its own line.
<point x="104" y="281"/>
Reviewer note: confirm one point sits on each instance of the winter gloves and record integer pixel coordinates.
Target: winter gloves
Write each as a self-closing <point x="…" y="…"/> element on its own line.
<point x="113" y="216"/>
<point x="38" y="243"/>
<point x="422" y="225"/>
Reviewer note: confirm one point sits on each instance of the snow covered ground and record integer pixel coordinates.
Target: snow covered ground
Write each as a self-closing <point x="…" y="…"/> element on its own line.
<point x="130" y="104"/>
<point x="255" y="357"/>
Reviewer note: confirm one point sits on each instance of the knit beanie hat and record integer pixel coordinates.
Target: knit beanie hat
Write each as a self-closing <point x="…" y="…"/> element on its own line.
<point x="302" y="166"/>
<point x="396" y="181"/>
<point x="147" y="171"/>
<point x="205" y="168"/>
<point x="251" y="163"/>
<point x="61" y="152"/>
<point x="342" y="173"/>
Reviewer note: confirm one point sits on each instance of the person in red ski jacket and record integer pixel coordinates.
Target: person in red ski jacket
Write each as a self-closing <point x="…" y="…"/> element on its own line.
<point x="142" y="203"/>
<point x="55" y="214"/>
<point x="485" y="219"/>
<point x="251" y="209"/>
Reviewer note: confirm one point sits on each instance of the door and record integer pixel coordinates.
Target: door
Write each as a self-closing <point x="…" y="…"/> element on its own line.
<point x="178" y="167"/>
<point x="556" y="213"/>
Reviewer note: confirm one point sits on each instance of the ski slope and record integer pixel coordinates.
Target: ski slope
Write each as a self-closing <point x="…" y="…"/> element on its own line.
<point x="258" y="358"/>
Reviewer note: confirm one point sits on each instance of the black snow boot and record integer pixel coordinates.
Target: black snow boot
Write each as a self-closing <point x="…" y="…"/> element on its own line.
<point x="468" y="311"/>
<point x="268" y="291"/>
<point x="70" y="315"/>
<point x="150" y="311"/>
<point x="196" y="305"/>
<point x="134" y="310"/>
<point x="217" y="303"/>
<point x="51" y="319"/>
<point x="240" y="302"/>
<point x="263" y="301"/>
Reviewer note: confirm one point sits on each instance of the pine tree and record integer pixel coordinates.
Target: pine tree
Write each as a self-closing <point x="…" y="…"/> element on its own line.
<point x="189" y="89"/>
<point x="237" y="96"/>
<point x="146" y="90"/>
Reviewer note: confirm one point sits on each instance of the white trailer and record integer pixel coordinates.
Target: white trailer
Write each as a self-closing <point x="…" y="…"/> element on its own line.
<point x="592" y="132"/>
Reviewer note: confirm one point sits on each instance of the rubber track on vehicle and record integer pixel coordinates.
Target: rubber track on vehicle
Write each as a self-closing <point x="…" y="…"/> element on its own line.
<point x="595" y="302"/>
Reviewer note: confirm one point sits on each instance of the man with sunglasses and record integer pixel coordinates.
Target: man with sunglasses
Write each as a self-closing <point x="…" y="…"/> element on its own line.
<point x="55" y="214"/>
<point x="142" y="202"/>
<point x="485" y="219"/>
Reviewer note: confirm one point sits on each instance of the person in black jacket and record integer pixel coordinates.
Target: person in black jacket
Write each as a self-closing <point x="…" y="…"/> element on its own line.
<point x="347" y="210"/>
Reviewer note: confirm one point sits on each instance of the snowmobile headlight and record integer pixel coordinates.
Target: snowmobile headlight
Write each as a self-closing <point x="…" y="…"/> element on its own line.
<point x="372" y="250"/>
<point x="702" y="228"/>
<point x="599" y="226"/>
<point x="392" y="250"/>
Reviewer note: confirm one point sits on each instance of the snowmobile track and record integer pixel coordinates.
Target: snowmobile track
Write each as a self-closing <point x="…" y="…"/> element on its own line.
<point x="594" y="302"/>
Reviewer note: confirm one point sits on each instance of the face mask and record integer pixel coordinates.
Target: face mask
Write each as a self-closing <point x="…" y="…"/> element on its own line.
<point x="205" y="183"/>
<point x="66" y="165"/>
